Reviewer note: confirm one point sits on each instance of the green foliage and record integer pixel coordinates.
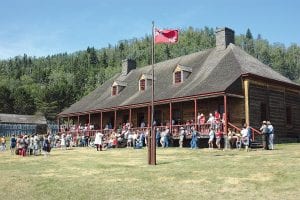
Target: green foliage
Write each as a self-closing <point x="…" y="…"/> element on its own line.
<point x="6" y="102"/>
<point x="50" y="84"/>
<point x="23" y="101"/>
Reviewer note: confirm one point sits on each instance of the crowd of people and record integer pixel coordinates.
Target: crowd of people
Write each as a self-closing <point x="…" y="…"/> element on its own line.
<point x="127" y="136"/>
<point x="27" y="145"/>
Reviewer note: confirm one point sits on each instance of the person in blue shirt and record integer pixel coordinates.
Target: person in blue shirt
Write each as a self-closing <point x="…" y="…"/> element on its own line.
<point x="157" y="136"/>
<point x="194" y="138"/>
<point x="13" y="144"/>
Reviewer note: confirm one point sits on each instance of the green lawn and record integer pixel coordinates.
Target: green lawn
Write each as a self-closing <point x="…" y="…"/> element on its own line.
<point x="83" y="173"/>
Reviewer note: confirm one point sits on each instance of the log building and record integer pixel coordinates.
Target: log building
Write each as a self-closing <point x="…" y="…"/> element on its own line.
<point x="224" y="78"/>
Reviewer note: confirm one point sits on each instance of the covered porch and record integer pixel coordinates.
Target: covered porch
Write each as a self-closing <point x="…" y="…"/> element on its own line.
<point x="172" y="114"/>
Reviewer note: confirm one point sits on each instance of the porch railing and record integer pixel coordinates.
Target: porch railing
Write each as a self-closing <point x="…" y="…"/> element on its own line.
<point x="203" y="130"/>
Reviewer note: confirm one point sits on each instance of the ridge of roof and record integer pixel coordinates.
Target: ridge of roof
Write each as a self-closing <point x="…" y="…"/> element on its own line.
<point x="252" y="65"/>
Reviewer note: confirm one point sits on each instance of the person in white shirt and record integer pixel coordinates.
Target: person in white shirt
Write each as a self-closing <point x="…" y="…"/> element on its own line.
<point x="98" y="140"/>
<point x="245" y="139"/>
<point x="211" y="120"/>
<point x="271" y="135"/>
<point x="63" y="142"/>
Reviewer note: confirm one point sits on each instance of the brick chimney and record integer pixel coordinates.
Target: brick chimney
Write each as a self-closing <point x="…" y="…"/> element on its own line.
<point x="224" y="36"/>
<point x="127" y="66"/>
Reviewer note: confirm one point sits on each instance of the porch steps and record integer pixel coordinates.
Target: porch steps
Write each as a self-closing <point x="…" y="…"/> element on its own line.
<point x="256" y="145"/>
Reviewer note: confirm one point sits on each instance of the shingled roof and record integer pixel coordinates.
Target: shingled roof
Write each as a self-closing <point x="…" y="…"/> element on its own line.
<point x="213" y="70"/>
<point x="22" y="119"/>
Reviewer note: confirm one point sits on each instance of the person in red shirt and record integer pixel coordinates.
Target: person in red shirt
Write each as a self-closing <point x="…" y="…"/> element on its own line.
<point x="217" y="117"/>
<point x="218" y="138"/>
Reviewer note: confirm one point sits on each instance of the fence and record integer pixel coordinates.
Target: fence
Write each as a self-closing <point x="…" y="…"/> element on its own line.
<point x="17" y="129"/>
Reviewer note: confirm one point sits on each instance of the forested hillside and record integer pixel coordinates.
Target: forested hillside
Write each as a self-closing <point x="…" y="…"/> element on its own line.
<point x="50" y="84"/>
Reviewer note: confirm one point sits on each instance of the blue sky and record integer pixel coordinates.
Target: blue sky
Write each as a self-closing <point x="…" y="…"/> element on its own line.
<point x="46" y="27"/>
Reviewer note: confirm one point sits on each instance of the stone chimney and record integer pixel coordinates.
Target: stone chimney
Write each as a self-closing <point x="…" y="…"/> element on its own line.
<point x="224" y="36"/>
<point x="127" y="66"/>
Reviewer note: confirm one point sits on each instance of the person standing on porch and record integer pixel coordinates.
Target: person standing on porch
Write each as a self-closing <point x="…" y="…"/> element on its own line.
<point x="271" y="135"/>
<point x="217" y="119"/>
<point x="198" y="118"/>
<point x="211" y="120"/>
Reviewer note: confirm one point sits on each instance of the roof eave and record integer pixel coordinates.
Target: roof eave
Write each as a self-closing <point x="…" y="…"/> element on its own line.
<point x="162" y="101"/>
<point x="255" y="76"/>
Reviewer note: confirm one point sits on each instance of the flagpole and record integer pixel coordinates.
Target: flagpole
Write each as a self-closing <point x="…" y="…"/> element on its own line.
<point x="151" y="137"/>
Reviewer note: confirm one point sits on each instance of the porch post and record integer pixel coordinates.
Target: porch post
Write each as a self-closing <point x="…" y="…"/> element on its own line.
<point x="195" y="110"/>
<point x="170" y="107"/>
<point x="149" y="117"/>
<point x="68" y="123"/>
<point x="101" y="122"/>
<point x="115" y="120"/>
<point x="78" y="125"/>
<point x="246" y="88"/>
<point x="58" y="124"/>
<point x="225" y="116"/>
<point x="130" y="116"/>
<point x="89" y="125"/>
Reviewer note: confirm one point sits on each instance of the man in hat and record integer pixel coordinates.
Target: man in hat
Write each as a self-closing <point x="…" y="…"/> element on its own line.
<point x="264" y="130"/>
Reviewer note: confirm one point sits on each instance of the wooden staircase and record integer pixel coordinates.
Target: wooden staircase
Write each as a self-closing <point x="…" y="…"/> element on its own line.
<point x="257" y="141"/>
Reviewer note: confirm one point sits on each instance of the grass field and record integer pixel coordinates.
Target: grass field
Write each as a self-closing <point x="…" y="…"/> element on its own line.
<point x="83" y="173"/>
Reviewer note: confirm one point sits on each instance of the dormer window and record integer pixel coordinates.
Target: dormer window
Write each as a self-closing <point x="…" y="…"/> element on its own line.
<point x="145" y="81"/>
<point x="117" y="87"/>
<point x="181" y="73"/>
<point x="177" y="77"/>
<point x="142" y="85"/>
<point x="114" y="90"/>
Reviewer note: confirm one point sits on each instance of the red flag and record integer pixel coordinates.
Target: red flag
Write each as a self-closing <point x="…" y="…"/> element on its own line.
<point x="165" y="36"/>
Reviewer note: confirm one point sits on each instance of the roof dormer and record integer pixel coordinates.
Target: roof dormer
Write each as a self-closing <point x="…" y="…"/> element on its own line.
<point x="117" y="87"/>
<point x="145" y="81"/>
<point x="181" y="73"/>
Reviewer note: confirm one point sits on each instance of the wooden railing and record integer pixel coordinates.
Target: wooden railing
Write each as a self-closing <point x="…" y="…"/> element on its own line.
<point x="254" y="131"/>
<point x="175" y="130"/>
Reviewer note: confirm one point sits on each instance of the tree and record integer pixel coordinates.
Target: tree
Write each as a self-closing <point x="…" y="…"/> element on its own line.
<point x="249" y="44"/>
<point x="23" y="101"/>
<point x="6" y="101"/>
<point x="92" y="56"/>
